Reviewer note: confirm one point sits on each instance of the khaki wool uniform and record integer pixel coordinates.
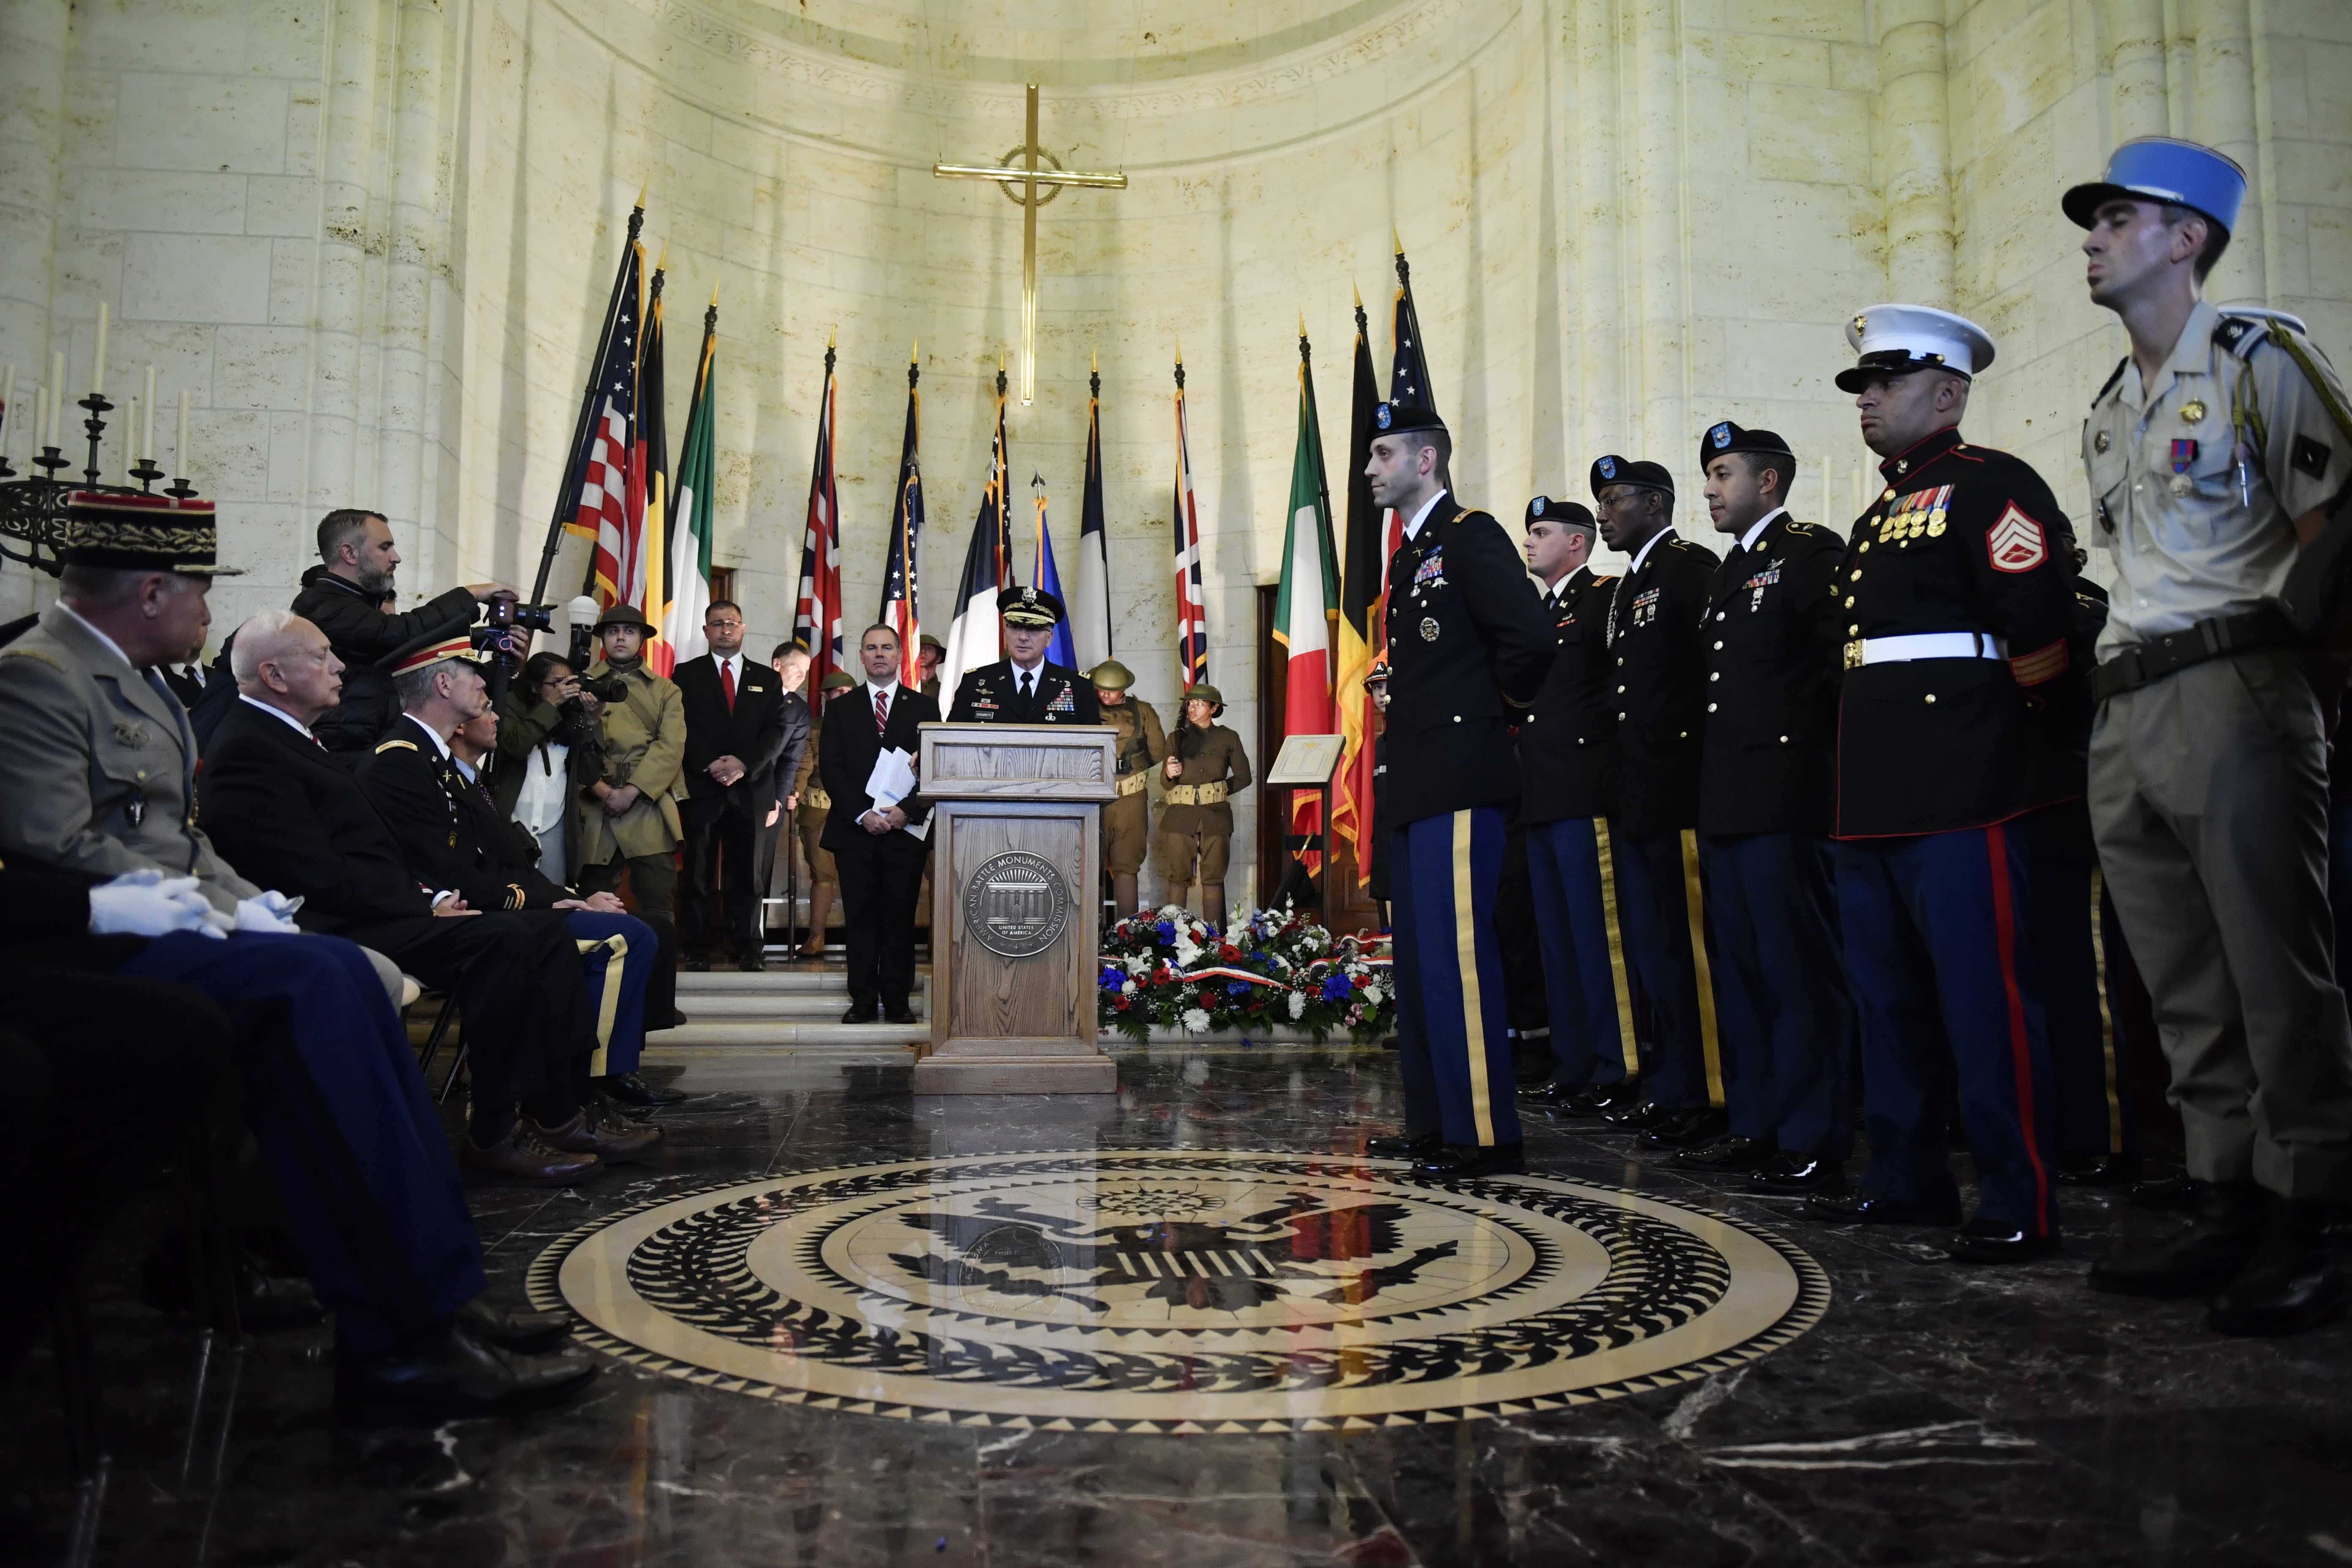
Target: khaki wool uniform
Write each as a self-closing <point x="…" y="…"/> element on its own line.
<point x="1126" y="821"/>
<point x="815" y="807"/>
<point x="645" y="745"/>
<point x="1197" y="823"/>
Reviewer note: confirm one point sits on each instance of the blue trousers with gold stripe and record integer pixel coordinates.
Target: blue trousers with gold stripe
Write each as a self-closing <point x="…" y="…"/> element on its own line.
<point x="1570" y="863"/>
<point x="1452" y="1023"/>
<point x="616" y="961"/>
<point x="1786" y="1019"/>
<point x="2074" y="928"/>
<point x="1660" y="895"/>
<point x="1936" y="946"/>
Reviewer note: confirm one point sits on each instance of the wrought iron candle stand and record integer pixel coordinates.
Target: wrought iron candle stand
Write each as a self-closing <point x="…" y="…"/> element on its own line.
<point x="33" y="506"/>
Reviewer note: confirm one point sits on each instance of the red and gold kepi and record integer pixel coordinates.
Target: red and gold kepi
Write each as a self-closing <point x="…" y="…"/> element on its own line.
<point x="428" y="651"/>
<point x="121" y="532"/>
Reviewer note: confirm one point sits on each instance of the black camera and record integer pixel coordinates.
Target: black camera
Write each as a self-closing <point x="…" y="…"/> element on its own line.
<point x="507" y="609"/>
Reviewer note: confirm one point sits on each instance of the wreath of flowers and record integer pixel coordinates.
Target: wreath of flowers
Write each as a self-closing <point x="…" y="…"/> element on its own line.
<point x="1275" y="968"/>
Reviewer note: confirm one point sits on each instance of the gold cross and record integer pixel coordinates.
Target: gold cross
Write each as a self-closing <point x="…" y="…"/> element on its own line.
<point x="1020" y="178"/>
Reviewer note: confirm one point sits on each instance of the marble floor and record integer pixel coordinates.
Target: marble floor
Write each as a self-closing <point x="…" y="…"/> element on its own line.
<point x="1933" y="1414"/>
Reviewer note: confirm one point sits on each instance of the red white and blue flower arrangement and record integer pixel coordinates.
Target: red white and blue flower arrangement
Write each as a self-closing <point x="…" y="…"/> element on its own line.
<point x="1273" y="970"/>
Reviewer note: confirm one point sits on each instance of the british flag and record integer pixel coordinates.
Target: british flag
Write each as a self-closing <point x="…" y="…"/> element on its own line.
<point x="817" y="621"/>
<point x="1191" y="610"/>
<point x="604" y="476"/>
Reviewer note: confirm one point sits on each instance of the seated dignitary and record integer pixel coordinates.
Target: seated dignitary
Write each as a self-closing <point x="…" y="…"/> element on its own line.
<point x="1568" y="791"/>
<point x="809" y="816"/>
<point x="879" y="861"/>
<point x="1775" y="640"/>
<point x="1126" y="821"/>
<point x="451" y="836"/>
<point x="344" y="596"/>
<point x="1205" y="766"/>
<point x="735" y="714"/>
<point x="550" y="752"/>
<point x="629" y="821"/>
<point x="94" y="772"/>
<point x="1957" y="608"/>
<point x="284" y="810"/>
<point x="1026" y="688"/>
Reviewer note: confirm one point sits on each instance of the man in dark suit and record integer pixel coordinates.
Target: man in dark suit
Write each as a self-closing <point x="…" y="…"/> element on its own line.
<point x="881" y="864"/>
<point x="734" y="737"/>
<point x="1027" y="688"/>
<point x="791" y="662"/>
<point x="284" y="811"/>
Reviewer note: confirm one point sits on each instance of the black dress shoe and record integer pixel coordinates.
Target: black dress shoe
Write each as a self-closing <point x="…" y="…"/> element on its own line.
<point x="525" y="1333"/>
<point x="1689" y="1128"/>
<point x="2296" y="1281"/>
<point x="1549" y="1093"/>
<point x="2215" y="1247"/>
<point x="2097" y="1170"/>
<point x="1601" y="1099"/>
<point x="694" y="964"/>
<point x="630" y="1089"/>
<point x="901" y="1013"/>
<point x="2166" y="1192"/>
<point x="1797" y="1174"/>
<point x="265" y="1300"/>
<point x="452" y="1374"/>
<point x="857" y="1015"/>
<point x="1991" y="1241"/>
<point x="1729" y="1153"/>
<point x="1400" y="1146"/>
<point x="751" y="963"/>
<point x="1860" y="1210"/>
<point x="1463" y="1162"/>
<point x="1638" y="1117"/>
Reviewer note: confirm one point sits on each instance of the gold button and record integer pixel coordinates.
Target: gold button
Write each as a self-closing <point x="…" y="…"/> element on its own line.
<point x="1710" y="707"/>
<point x="1931" y="696"/>
<point x="1784" y="740"/>
<point x="1683" y="736"/>
<point x="1718" y="643"/>
<point x="1854" y="631"/>
<point x="1889" y="495"/>
<point x="1718" y="614"/>
<point x="1457" y="718"/>
<point x="1849" y="601"/>
<point x="1620" y="690"/>
<point x="1855" y="575"/>
<point x="1715" y="675"/>
<point x="1621" y="716"/>
<point x="1866" y="547"/>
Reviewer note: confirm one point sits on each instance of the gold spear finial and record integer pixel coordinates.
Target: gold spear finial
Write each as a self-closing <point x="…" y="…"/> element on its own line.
<point x="914" y="351"/>
<point x="1179" y="350"/>
<point x="642" y="187"/>
<point x="832" y="332"/>
<point x="1095" y="359"/>
<point x="1302" y="323"/>
<point x="714" y="296"/>
<point x="661" y="263"/>
<point x="1358" y="293"/>
<point x="1398" y="237"/>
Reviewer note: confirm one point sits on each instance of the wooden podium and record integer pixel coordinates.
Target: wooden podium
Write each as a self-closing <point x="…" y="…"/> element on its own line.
<point x="1015" y="921"/>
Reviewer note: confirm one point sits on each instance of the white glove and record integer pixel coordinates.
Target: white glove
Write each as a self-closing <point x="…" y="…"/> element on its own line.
<point x="272" y="912"/>
<point x="141" y="903"/>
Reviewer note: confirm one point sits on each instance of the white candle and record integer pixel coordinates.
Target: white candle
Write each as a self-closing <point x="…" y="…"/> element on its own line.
<point x="147" y="435"/>
<point x="40" y="419"/>
<point x="57" y="398"/>
<point x="10" y="419"/>
<point x="131" y="425"/>
<point x="98" y="367"/>
<point x="180" y="455"/>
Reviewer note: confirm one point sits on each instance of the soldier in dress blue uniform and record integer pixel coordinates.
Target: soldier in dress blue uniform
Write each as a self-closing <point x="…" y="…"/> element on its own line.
<point x="1658" y="658"/>
<point x="1026" y="688"/>
<point x="1774" y="645"/>
<point x="1468" y="646"/>
<point x="1956" y="601"/>
<point x="1568" y="791"/>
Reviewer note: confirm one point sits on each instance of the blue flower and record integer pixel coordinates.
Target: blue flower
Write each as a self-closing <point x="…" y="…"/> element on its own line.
<point x="1113" y="977"/>
<point x="1167" y="930"/>
<point x="1336" y="988"/>
<point x="1237" y="988"/>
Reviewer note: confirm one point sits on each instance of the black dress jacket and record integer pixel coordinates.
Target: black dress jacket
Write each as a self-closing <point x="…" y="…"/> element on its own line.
<point x="287" y="815"/>
<point x="1964" y="539"/>
<point x="362" y="635"/>
<point x="847" y="744"/>
<point x="992" y="695"/>
<point x="1470" y="645"/>
<point x="753" y="734"/>
<point x="1567" y="742"/>
<point x="1659" y="660"/>
<point x="1774" y="646"/>
<point x="451" y="835"/>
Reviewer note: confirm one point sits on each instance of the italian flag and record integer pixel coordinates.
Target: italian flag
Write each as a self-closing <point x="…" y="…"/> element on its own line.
<point x="689" y="542"/>
<point x="1308" y="607"/>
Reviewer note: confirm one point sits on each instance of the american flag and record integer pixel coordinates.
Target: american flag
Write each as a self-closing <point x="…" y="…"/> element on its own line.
<point x="901" y="584"/>
<point x="1191" y="611"/>
<point x="610" y="489"/>
<point x="1408" y="386"/>
<point x="817" y="622"/>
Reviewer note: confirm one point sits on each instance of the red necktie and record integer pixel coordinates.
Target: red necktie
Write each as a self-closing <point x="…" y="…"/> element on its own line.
<point x="727" y="682"/>
<point x="881" y="712"/>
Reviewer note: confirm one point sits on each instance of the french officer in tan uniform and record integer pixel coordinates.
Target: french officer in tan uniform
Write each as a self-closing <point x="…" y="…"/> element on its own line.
<point x="1126" y="821"/>
<point x="1204" y="769"/>
<point x="824" y="880"/>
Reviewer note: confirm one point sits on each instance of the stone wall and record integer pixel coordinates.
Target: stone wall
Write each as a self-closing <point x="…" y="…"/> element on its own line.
<point x="371" y="236"/>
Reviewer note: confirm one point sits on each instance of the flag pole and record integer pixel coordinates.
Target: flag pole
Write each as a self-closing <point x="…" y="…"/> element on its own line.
<point x="567" y="494"/>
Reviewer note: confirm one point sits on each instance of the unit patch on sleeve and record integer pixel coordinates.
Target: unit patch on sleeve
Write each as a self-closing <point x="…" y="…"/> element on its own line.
<point x="2015" y="542"/>
<point x="2311" y="456"/>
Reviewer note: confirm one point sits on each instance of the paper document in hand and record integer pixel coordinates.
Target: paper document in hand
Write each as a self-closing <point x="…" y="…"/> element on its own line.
<point x="893" y="778"/>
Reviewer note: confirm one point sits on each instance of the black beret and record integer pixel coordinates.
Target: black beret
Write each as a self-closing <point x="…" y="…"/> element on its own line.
<point x="1729" y="437"/>
<point x="1401" y="418"/>
<point x="1543" y="508"/>
<point x="1616" y="471"/>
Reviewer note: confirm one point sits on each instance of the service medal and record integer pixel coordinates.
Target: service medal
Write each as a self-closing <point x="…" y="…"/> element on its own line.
<point x="2182" y="484"/>
<point x="1429" y="628"/>
<point x="2099" y="442"/>
<point x="2193" y="410"/>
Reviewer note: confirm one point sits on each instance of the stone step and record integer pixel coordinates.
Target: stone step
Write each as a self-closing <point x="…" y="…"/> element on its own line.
<point x="828" y="981"/>
<point x="803" y="1034"/>
<point x="784" y="1008"/>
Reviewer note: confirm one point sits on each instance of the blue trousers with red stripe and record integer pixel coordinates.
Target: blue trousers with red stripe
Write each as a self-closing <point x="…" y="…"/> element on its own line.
<point x="1935" y="945"/>
<point x="1669" y="950"/>
<point x="1571" y="871"/>
<point x="1453" y="1026"/>
<point x="1785" y="1018"/>
<point x="354" y="1143"/>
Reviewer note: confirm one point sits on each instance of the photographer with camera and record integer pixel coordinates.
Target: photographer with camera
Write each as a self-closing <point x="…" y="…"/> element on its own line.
<point x="551" y="751"/>
<point x="341" y="597"/>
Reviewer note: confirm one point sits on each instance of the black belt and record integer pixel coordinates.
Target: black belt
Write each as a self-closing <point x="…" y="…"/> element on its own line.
<point x="2154" y="659"/>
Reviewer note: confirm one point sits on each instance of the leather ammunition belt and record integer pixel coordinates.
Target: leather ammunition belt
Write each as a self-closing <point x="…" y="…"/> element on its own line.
<point x="1924" y="645"/>
<point x="1196" y="794"/>
<point x="1131" y="783"/>
<point x="814" y="795"/>
<point x="2156" y="657"/>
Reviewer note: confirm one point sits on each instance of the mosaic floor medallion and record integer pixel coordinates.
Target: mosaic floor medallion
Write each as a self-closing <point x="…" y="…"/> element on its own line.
<point x="1177" y="1291"/>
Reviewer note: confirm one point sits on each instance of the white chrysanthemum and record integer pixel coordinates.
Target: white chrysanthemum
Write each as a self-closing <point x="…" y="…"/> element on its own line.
<point x="1372" y="995"/>
<point x="1127" y="988"/>
<point x="1196" y="1021"/>
<point x="1297" y="1004"/>
<point x="1141" y="965"/>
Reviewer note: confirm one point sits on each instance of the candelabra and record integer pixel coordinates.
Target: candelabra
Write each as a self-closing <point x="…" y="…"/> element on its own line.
<point x="33" y="506"/>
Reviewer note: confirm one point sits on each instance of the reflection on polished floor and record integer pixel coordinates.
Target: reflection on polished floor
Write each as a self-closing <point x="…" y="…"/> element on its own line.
<point x="1192" y="1327"/>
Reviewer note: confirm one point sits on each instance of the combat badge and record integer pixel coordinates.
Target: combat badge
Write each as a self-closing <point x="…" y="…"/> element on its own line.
<point x="1429" y="628"/>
